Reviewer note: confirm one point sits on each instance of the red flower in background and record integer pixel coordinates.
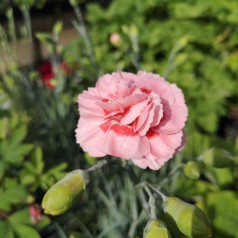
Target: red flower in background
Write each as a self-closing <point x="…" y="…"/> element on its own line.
<point x="35" y="213"/>
<point x="47" y="74"/>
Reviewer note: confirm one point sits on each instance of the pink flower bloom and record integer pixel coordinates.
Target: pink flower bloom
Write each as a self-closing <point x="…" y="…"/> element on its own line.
<point x="47" y="74"/>
<point x="136" y="117"/>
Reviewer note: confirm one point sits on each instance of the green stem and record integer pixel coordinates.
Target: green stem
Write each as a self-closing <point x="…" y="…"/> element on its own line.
<point x="11" y="25"/>
<point x="135" y="54"/>
<point x="97" y="166"/>
<point x="27" y="18"/>
<point x="171" y="66"/>
<point x="80" y="26"/>
<point x="157" y="191"/>
<point x="82" y="226"/>
<point x="151" y="202"/>
<point x="169" y="175"/>
<point x="135" y="224"/>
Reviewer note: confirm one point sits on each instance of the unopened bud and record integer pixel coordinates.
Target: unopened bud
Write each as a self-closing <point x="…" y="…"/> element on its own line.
<point x="74" y="2"/>
<point x="115" y="39"/>
<point x="192" y="170"/>
<point x="190" y="220"/>
<point x="133" y="31"/>
<point x="217" y="158"/>
<point x="156" y="229"/>
<point x="59" y="198"/>
<point x="183" y="41"/>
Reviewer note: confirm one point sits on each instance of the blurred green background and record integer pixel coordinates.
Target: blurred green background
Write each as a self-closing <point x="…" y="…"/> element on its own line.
<point x="52" y="50"/>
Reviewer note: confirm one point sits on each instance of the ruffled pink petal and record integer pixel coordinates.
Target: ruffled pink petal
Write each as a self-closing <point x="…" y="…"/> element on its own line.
<point x="126" y="86"/>
<point x="183" y="141"/>
<point x="110" y="108"/>
<point x="88" y="107"/>
<point x="158" y="114"/>
<point x="133" y="112"/>
<point x="144" y="121"/>
<point x="150" y="162"/>
<point x="155" y="164"/>
<point x="157" y="84"/>
<point x="112" y="86"/>
<point x="173" y="141"/>
<point x="141" y="120"/>
<point x="90" y="138"/>
<point x="158" y="109"/>
<point x="131" y="100"/>
<point x="126" y="77"/>
<point x="175" y="115"/>
<point x="106" y="86"/>
<point x="151" y="115"/>
<point x="159" y="148"/>
<point x="129" y="108"/>
<point x="142" y="163"/>
<point x="120" y="143"/>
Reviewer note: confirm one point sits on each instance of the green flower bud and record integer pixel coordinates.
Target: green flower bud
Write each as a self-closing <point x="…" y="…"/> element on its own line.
<point x="156" y="229"/>
<point x="217" y="158"/>
<point x="190" y="220"/>
<point x="59" y="198"/>
<point x="133" y="31"/>
<point x="74" y="2"/>
<point x="192" y="170"/>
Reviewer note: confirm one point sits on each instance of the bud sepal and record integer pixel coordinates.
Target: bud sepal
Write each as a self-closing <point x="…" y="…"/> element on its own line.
<point x="60" y="197"/>
<point x="190" y="220"/>
<point x="156" y="228"/>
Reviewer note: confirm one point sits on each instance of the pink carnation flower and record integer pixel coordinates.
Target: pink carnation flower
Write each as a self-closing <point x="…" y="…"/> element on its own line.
<point x="138" y="117"/>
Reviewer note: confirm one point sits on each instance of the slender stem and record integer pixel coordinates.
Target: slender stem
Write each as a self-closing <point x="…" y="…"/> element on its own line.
<point x="60" y="231"/>
<point x="117" y="223"/>
<point x="82" y="226"/>
<point x="157" y="191"/>
<point x="97" y="166"/>
<point x="135" y="54"/>
<point x="83" y="31"/>
<point x="170" y="174"/>
<point x="135" y="223"/>
<point x="171" y="66"/>
<point x="11" y="25"/>
<point x="27" y="18"/>
<point x="151" y="202"/>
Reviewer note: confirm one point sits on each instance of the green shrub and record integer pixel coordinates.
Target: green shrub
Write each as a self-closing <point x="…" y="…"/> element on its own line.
<point x="22" y="174"/>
